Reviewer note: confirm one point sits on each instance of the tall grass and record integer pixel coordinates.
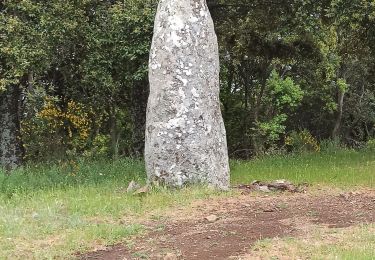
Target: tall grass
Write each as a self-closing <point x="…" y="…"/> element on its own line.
<point x="71" y="174"/>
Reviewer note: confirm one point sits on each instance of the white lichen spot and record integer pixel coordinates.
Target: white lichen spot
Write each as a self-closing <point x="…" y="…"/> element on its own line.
<point x="153" y="54"/>
<point x="175" y="39"/>
<point x="203" y="13"/>
<point x="184" y="81"/>
<point x="175" y="122"/>
<point x="179" y="178"/>
<point x="176" y="23"/>
<point x="155" y="66"/>
<point x="194" y="92"/>
<point x="193" y="19"/>
<point x="208" y="129"/>
<point x="182" y="110"/>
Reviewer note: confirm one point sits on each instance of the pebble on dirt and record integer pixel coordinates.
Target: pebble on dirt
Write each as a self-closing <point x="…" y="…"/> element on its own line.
<point x="170" y="256"/>
<point x="211" y="218"/>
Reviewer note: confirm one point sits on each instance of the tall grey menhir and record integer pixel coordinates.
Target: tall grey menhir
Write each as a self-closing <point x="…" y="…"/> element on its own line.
<point x="185" y="134"/>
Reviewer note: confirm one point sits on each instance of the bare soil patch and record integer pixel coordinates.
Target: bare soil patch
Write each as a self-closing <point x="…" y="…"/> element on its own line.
<point x="235" y="224"/>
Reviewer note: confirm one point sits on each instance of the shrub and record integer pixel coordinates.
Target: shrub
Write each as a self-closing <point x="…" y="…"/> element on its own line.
<point x="302" y="141"/>
<point x="54" y="130"/>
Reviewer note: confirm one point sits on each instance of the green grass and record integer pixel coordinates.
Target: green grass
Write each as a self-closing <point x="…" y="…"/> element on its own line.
<point x="77" y="218"/>
<point x="321" y="243"/>
<point x="53" y="211"/>
<point x="344" y="168"/>
<point x="71" y="174"/>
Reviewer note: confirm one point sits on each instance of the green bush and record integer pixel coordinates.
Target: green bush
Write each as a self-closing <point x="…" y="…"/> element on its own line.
<point x="302" y="141"/>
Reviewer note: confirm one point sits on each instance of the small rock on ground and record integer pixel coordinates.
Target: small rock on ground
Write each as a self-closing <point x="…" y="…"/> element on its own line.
<point x="132" y="187"/>
<point x="170" y="256"/>
<point x="211" y="218"/>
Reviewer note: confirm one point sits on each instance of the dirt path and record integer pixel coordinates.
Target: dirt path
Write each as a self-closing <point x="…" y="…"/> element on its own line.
<point x="240" y="223"/>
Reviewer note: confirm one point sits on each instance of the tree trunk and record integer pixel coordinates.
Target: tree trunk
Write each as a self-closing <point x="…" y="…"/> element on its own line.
<point x="138" y="113"/>
<point x="337" y="127"/>
<point x="114" y="135"/>
<point x="11" y="152"/>
<point x="185" y="134"/>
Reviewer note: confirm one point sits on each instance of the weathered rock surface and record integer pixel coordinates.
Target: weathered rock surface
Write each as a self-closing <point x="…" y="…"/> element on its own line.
<point x="185" y="134"/>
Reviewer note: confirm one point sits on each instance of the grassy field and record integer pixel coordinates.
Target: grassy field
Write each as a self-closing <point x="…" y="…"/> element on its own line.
<point x="343" y="168"/>
<point x="354" y="243"/>
<point x="53" y="211"/>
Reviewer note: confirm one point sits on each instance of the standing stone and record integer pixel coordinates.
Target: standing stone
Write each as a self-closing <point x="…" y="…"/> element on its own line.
<point x="185" y="134"/>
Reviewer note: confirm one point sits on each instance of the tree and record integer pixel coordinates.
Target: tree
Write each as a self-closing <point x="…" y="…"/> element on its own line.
<point x="257" y="38"/>
<point x="11" y="152"/>
<point x="94" y="54"/>
<point x="185" y="134"/>
<point x="21" y="51"/>
<point x="120" y="75"/>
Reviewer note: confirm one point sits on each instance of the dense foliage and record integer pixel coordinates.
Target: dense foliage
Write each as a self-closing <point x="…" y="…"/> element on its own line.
<point x="292" y="72"/>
